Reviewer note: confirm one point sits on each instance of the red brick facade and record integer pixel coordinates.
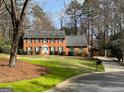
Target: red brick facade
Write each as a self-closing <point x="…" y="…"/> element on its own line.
<point x="45" y="46"/>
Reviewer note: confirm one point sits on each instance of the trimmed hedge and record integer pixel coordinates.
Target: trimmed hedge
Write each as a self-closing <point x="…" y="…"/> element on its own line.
<point x="63" y="53"/>
<point x="31" y="52"/>
<point x="25" y="53"/>
<point x="52" y="53"/>
<point x="71" y="53"/>
<point x="57" y="53"/>
<point x="37" y="53"/>
<point x="20" y="52"/>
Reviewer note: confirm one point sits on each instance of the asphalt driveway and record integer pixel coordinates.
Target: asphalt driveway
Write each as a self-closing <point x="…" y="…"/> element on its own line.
<point x="110" y="81"/>
<point x="105" y="82"/>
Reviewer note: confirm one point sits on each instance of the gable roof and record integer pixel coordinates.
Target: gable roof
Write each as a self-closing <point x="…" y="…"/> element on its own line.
<point x="73" y="41"/>
<point x="44" y="34"/>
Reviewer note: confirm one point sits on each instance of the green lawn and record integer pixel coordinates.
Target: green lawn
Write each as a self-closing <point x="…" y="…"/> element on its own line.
<point x="61" y="68"/>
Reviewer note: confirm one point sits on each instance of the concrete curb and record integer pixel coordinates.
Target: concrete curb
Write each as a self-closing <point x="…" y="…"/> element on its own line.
<point x="67" y="82"/>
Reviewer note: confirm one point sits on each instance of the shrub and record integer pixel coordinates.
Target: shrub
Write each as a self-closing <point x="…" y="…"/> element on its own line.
<point x="71" y="53"/>
<point x="37" y="53"/>
<point x="7" y="42"/>
<point x="57" y="53"/>
<point x="5" y="49"/>
<point x="109" y="53"/>
<point x="31" y="52"/>
<point x="51" y="52"/>
<point x="80" y="54"/>
<point x="116" y="52"/>
<point x="63" y="53"/>
<point x="20" y="52"/>
<point x="25" y="53"/>
<point x="84" y="54"/>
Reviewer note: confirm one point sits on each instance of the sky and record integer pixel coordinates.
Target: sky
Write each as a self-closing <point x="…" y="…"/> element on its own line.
<point x="53" y="8"/>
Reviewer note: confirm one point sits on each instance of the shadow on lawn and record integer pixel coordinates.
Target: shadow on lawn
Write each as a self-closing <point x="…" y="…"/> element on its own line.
<point x="59" y="74"/>
<point x="85" y="58"/>
<point x="67" y="72"/>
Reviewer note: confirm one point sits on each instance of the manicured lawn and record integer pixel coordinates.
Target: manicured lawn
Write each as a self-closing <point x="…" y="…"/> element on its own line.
<point x="61" y="68"/>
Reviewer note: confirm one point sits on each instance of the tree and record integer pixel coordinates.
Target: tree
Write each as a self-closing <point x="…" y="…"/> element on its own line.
<point x="1" y="40"/>
<point x="73" y="11"/>
<point x="41" y="19"/>
<point x="17" y="17"/>
<point x="5" y="22"/>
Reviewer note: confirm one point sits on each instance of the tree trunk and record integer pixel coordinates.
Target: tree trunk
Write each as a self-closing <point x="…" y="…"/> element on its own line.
<point x="123" y="56"/>
<point x="75" y="25"/>
<point x="12" y="61"/>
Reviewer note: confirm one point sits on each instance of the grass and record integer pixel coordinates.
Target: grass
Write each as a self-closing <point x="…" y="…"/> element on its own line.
<point x="61" y="68"/>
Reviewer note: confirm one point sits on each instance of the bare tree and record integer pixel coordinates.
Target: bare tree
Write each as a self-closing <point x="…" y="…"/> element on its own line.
<point x="17" y="17"/>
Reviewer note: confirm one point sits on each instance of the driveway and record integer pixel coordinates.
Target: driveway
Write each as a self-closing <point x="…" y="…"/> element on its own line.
<point x="110" y="81"/>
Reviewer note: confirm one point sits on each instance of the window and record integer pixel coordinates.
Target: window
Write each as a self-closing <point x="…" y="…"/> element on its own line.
<point x="45" y="40"/>
<point x="37" y="49"/>
<point x="29" y="48"/>
<point x="29" y="40"/>
<point x="60" y="40"/>
<point x="60" y="49"/>
<point x="80" y="50"/>
<point x="52" y="48"/>
<point x="41" y="40"/>
<point x="71" y="49"/>
<point x="52" y="40"/>
<point x="37" y="40"/>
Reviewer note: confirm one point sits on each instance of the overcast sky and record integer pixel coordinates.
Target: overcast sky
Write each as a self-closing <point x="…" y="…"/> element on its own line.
<point x="53" y="8"/>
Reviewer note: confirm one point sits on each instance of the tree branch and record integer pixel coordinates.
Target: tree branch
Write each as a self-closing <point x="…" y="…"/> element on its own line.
<point x="23" y="9"/>
<point x="7" y="8"/>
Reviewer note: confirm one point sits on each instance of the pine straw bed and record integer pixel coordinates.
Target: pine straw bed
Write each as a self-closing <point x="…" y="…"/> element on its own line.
<point x="22" y="71"/>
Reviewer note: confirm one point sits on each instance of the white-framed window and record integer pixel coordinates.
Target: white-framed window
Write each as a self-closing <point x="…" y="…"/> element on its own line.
<point x="61" y="49"/>
<point x="52" y="48"/>
<point x="29" y="40"/>
<point x="45" y="40"/>
<point x="60" y="40"/>
<point x="29" y="48"/>
<point x="57" y="48"/>
<point x="37" y="40"/>
<point x="52" y="40"/>
<point x="37" y="49"/>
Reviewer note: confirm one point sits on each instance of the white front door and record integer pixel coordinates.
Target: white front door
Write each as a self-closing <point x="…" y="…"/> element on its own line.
<point x="45" y="49"/>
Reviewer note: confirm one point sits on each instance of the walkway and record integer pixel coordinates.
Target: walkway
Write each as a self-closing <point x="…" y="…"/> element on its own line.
<point x="111" y="66"/>
<point x="110" y="81"/>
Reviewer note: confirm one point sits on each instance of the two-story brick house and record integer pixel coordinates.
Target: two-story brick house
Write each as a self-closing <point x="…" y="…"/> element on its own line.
<point x="47" y="41"/>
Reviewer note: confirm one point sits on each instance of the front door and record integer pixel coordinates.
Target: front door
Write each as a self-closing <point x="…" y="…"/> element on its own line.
<point x="45" y="49"/>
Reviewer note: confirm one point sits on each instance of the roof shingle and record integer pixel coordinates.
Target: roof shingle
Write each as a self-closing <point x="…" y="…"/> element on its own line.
<point x="44" y="34"/>
<point x="78" y="40"/>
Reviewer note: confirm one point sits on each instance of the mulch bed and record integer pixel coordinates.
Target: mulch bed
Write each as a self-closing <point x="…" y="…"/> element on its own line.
<point x="22" y="71"/>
